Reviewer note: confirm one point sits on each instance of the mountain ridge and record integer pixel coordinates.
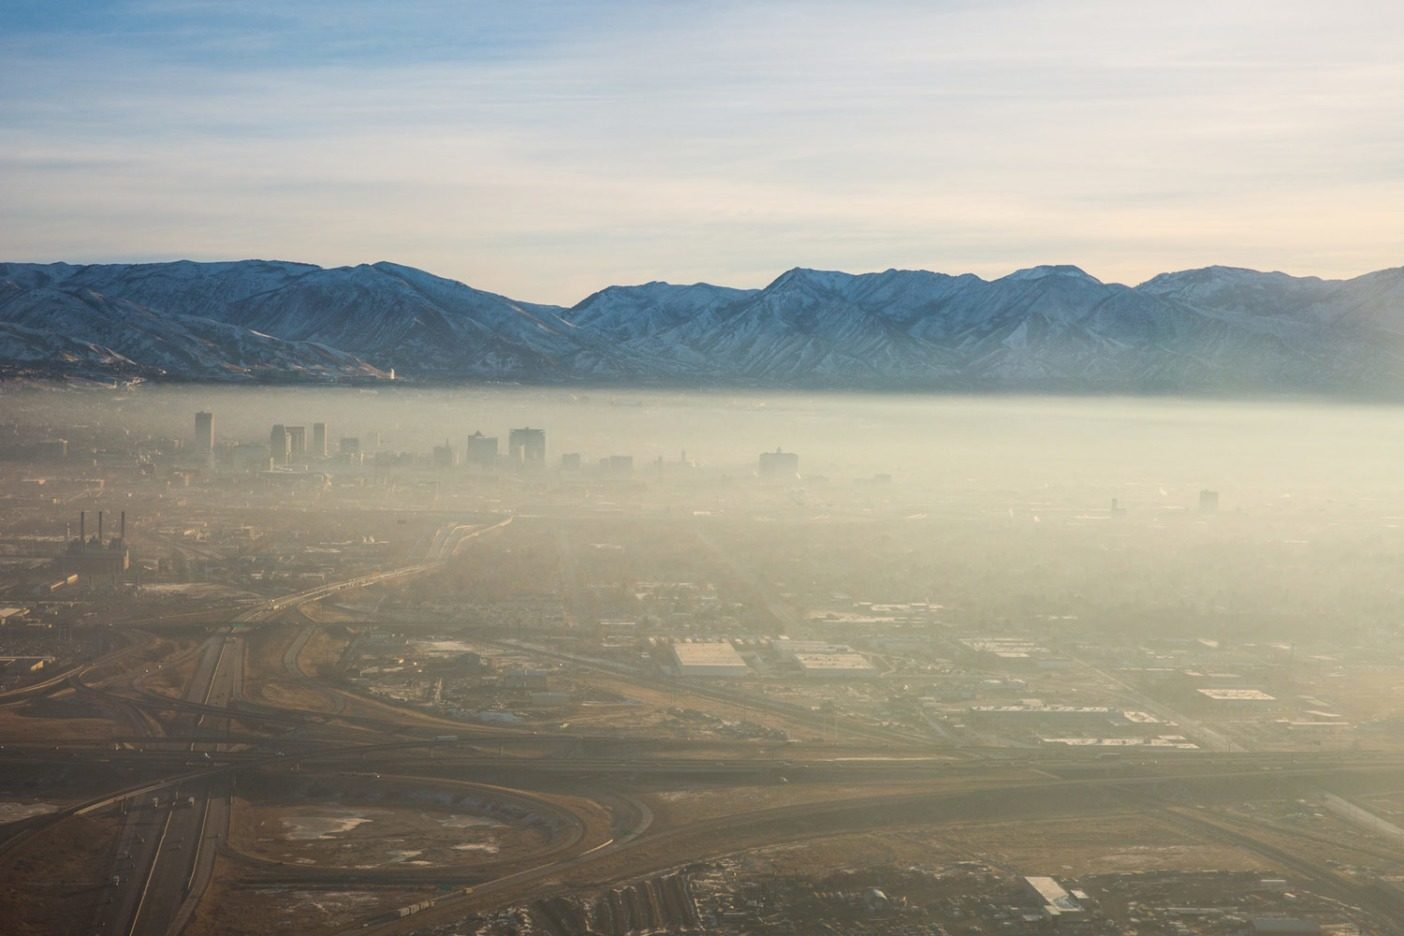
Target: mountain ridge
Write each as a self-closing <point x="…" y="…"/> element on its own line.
<point x="1051" y="326"/>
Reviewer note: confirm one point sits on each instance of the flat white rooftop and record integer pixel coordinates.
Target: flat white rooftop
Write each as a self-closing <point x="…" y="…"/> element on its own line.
<point x="1053" y="894"/>
<point x="1237" y="695"/>
<point x="718" y="656"/>
<point x="835" y="664"/>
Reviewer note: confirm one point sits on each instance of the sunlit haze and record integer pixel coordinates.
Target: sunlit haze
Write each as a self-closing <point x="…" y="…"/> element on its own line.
<point x="546" y="149"/>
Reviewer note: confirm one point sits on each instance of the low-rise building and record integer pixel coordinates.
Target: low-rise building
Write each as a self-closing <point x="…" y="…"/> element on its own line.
<point x="835" y="666"/>
<point x="710" y="658"/>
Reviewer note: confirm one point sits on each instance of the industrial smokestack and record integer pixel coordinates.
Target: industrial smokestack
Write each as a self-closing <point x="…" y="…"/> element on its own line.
<point x="122" y="533"/>
<point x="99" y="527"/>
<point x="82" y="526"/>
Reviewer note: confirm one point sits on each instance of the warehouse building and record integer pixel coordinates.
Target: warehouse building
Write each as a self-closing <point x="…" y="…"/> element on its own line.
<point x="713" y="658"/>
<point x="1053" y="898"/>
<point x="835" y="666"/>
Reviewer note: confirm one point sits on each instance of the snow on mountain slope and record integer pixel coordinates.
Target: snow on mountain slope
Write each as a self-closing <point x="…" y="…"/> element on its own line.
<point x="1046" y="326"/>
<point x="626" y="313"/>
<point x="174" y="346"/>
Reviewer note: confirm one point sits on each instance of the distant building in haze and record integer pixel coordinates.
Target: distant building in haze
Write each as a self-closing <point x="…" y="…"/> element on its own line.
<point x="319" y="440"/>
<point x="570" y="461"/>
<point x="481" y="451"/>
<point x="443" y="455"/>
<point x="527" y="446"/>
<point x="204" y="433"/>
<point x="1208" y="501"/>
<point x="617" y="466"/>
<point x="297" y="441"/>
<point x="778" y="464"/>
<point x="279" y="444"/>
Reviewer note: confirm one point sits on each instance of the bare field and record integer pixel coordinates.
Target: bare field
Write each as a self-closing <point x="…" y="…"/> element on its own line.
<point x="374" y="837"/>
<point x="234" y="908"/>
<point x="58" y="883"/>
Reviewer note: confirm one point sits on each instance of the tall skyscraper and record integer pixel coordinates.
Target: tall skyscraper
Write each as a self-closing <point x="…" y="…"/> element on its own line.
<point x="527" y="446"/>
<point x="319" y="440"/>
<point x="204" y="433"/>
<point x="279" y="444"/>
<point x="297" y="441"/>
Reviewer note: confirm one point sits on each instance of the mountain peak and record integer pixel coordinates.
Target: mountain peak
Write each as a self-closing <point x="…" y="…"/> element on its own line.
<point x="1053" y="269"/>
<point x="804" y="276"/>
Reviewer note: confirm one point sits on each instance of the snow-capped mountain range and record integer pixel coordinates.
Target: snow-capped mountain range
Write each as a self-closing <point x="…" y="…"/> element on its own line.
<point x="1044" y="328"/>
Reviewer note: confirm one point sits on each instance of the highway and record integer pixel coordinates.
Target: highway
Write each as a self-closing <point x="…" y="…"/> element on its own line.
<point x="990" y="799"/>
<point x="166" y="849"/>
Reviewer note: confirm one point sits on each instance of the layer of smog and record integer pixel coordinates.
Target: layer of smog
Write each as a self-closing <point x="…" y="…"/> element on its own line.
<point x="503" y="660"/>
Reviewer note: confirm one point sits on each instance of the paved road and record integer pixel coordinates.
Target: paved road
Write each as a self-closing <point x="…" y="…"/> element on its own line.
<point x="166" y="849"/>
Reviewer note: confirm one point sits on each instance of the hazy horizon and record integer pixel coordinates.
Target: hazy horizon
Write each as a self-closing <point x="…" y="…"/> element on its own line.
<point x="548" y="149"/>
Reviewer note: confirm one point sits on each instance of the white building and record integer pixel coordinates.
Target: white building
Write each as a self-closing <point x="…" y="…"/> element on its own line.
<point x="717" y="658"/>
<point x="1053" y="896"/>
<point x="835" y="665"/>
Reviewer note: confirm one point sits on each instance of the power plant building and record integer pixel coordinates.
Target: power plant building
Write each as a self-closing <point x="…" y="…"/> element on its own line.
<point x="92" y="559"/>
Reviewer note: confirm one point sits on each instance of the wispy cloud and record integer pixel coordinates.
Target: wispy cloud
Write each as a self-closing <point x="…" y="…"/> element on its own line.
<point x="544" y="149"/>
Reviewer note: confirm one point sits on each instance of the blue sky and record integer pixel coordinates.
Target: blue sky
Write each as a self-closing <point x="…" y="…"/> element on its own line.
<point x="545" y="149"/>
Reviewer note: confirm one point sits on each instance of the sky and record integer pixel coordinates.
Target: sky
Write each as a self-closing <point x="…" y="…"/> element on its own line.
<point x="546" y="149"/>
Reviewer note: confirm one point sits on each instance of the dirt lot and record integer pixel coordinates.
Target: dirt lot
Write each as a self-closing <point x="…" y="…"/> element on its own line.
<point x="61" y="717"/>
<point x="366" y="837"/>
<point x="363" y="822"/>
<point x="57" y="883"/>
<point x="231" y="908"/>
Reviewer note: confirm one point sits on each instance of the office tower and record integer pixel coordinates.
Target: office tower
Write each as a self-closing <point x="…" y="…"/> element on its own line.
<point x="778" y="464"/>
<point x="481" y="451"/>
<point x="443" y="455"/>
<point x="297" y="441"/>
<point x="204" y="433"/>
<point x="279" y="444"/>
<point x="319" y="440"/>
<point x="527" y="446"/>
